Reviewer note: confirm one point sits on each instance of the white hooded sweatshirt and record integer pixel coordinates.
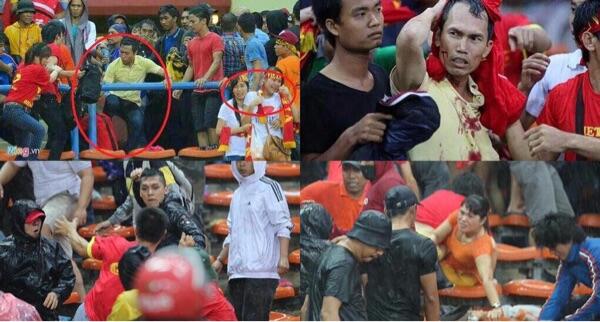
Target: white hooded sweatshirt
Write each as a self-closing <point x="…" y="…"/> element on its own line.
<point x="258" y="215"/>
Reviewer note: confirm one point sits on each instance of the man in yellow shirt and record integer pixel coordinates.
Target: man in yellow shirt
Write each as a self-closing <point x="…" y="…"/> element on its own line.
<point x="129" y="68"/>
<point x="23" y="33"/>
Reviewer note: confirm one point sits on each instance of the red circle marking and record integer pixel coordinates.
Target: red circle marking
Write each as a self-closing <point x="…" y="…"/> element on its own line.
<point x="169" y="92"/>
<point x="264" y="71"/>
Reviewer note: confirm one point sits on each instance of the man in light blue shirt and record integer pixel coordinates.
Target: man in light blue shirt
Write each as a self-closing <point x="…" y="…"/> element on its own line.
<point x="255" y="55"/>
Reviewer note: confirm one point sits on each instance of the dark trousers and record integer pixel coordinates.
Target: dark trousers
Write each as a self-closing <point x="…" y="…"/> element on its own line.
<point x="52" y="113"/>
<point x="133" y="115"/>
<point x="252" y="297"/>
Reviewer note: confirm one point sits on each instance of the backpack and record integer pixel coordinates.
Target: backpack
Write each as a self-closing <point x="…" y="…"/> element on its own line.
<point x="106" y="138"/>
<point x="90" y="85"/>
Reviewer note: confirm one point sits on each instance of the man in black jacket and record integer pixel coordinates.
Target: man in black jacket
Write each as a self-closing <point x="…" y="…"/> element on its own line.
<point x="34" y="268"/>
<point x="153" y="192"/>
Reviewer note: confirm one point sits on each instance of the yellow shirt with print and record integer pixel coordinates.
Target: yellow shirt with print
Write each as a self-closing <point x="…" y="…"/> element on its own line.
<point x="461" y="136"/>
<point x="117" y="72"/>
<point x="22" y="38"/>
<point x="125" y="307"/>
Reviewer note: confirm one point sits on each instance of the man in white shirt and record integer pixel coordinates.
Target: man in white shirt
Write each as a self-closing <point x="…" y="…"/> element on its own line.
<point x="257" y="245"/>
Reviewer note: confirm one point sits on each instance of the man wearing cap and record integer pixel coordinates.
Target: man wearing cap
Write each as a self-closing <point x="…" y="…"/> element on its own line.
<point x="343" y="200"/>
<point x="23" y="33"/>
<point x="32" y="267"/>
<point x="335" y="293"/>
<point x="289" y="63"/>
<point x="45" y="10"/>
<point x="411" y="256"/>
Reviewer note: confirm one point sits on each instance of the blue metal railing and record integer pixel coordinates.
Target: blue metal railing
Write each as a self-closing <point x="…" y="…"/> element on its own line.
<point x="156" y="86"/>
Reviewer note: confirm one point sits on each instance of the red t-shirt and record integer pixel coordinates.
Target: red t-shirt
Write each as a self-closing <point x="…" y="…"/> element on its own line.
<point x="434" y="209"/>
<point x="99" y="301"/>
<point x="27" y="84"/>
<point x="200" y="53"/>
<point x="376" y="195"/>
<point x="45" y="10"/>
<point x="217" y="307"/>
<point x="559" y="110"/>
<point x="512" y="59"/>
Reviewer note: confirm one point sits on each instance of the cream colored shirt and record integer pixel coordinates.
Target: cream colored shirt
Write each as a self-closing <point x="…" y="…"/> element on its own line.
<point x="117" y="72"/>
<point x="461" y="136"/>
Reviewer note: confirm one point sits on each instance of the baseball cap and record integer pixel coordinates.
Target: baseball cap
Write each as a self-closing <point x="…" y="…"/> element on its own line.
<point x="33" y="215"/>
<point x="288" y="37"/>
<point x="355" y="164"/>
<point x="400" y="198"/>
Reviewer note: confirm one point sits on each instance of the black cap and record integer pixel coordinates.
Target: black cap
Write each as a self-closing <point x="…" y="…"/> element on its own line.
<point x="372" y="228"/>
<point x="210" y="9"/>
<point x="400" y="198"/>
<point x="24" y="6"/>
<point x="355" y="164"/>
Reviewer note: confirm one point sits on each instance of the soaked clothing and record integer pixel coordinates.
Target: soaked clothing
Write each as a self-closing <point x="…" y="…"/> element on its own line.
<point x="337" y="275"/>
<point x="461" y="136"/>
<point x="32" y="268"/>
<point x="392" y="298"/>
<point x="316" y="228"/>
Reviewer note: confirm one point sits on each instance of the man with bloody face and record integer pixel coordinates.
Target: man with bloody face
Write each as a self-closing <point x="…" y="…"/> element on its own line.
<point x="462" y="75"/>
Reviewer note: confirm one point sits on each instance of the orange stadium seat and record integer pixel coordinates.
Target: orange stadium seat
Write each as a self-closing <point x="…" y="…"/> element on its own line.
<point x="494" y="220"/>
<point x="283" y="169"/>
<point x="73" y="298"/>
<point x="219" y="228"/>
<point x="284" y="292"/>
<point x="537" y="289"/>
<point x="516" y="220"/>
<point x="218" y="171"/>
<point x="99" y="174"/>
<point x="589" y="220"/>
<point x="154" y="155"/>
<point x="294" y="257"/>
<point x="106" y="203"/>
<point x="197" y="153"/>
<point x="67" y="155"/>
<point x="97" y="155"/>
<point x="509" y="253"/>
<point x="87" y="232"/>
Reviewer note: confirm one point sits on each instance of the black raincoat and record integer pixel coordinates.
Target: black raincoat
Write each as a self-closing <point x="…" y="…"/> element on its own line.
<point x="32" y="268"/>
<point x="416" y="118"/>
<point x="316" y="228"/>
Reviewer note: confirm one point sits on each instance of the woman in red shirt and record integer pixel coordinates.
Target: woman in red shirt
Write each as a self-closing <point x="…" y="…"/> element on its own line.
<point x="27" y="85"/>
<point x="468" y="252"/>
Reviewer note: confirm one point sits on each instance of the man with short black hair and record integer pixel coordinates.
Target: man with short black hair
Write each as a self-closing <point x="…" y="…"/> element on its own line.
<point x="233" y="56"/>
<point x="185" y="15"/>
<point x="579" y="261"/>
<point x="129" y="68"/>
<point x="335" y="293"/>
<point x="255" y="55"/>
<point x="411" y="256"/>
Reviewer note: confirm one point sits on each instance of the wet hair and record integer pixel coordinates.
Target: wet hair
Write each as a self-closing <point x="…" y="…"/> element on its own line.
<point x="557" y="228"/>
<point x="51" y="30"/>
<point x="327" y="9"/>
<point x="247" y="22"/>
<point x="584" y="15"/>
<point x="151" y="224"/>
<point x="169" y="9"/>
<point x="228" y="22"/>
<point x="39" y="50"/>
<point x="477" y="204"/>
<point x="258" y="19"/>
<point x="129" y="263"/>
<point x="135" y="46"/>
<point x="467" y="183"/>
<point x="151" y="172"/>
<point x="201" y="12"/>
<point x="476" y="8"/>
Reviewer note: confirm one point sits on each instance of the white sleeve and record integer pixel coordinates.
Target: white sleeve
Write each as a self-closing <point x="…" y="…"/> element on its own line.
<point x="249" y="98"/>
<point x="228" y="238"/>
<point x="20" y="164"/>
<point x="91" y="39"/>
<point x="224" y="112"/>
<point x="537" y="97"/>
<point x="277" y="210"/>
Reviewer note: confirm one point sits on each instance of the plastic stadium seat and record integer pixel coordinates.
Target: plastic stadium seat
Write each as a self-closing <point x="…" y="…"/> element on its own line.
<point x="154" y="155"/>
<point x="219" y="228"/>
<point x="516" y="220"/>
<point x="538" y="289"/>
<point x="99" y="174"/>
<point x="197" y="153"/>
<point x="509" y="253"/>
<point x="97" y="155"/>
<point x="223" y="198"/>
<point x="283" y="169"/>
<point x="294" y="257"/>
<point x="92" y="264"/>
<point x="278" y="316"/>
<point x="460" y="292"/>
<point x="284" y="291"/>
<point x="296" y="222"/>
<point x="73" y="298"/>
<point x="87" y="232"/>
<point x="67" y="155"/>
<point x="218" y="171"/>
<point x="494" y="220"/>
<point x="589" y="220"/>
<point x="106" y="203"/>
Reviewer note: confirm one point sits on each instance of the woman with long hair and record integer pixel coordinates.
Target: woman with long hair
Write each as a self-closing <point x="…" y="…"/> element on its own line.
<point x="229" y="128"/>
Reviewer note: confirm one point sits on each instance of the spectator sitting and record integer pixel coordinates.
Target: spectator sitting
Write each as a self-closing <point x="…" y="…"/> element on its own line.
<point x="114" y="43"/>
<point x="7" y="64"/>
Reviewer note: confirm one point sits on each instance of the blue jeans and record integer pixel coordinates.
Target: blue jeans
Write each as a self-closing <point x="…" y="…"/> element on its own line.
<point x="133" y="115"/>
<point x="28" y="132"/>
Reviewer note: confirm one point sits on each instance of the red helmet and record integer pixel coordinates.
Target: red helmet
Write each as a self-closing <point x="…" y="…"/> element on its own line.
<point x="172" y="286"/>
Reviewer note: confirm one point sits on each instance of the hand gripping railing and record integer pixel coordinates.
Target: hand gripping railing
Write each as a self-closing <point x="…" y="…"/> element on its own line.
<point x="107" y="87"/>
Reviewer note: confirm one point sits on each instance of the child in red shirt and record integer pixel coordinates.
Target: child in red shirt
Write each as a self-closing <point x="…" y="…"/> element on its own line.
<point x="27" y="85"/>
